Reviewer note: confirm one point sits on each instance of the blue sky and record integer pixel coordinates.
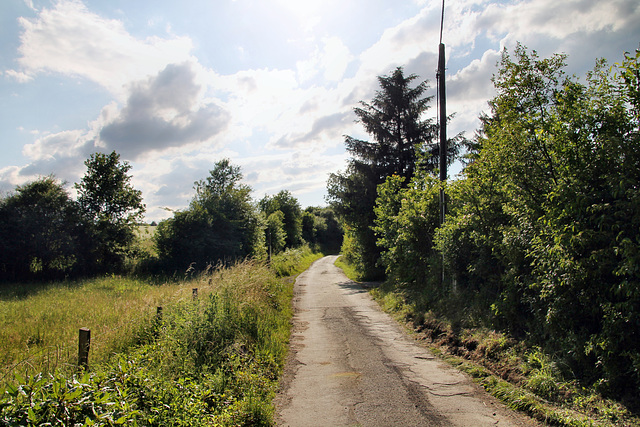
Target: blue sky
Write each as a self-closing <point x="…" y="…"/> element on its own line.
<point x="271" y="84"/>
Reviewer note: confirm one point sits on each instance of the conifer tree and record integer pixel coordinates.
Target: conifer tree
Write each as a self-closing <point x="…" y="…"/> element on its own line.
<point x="402" y="139"/>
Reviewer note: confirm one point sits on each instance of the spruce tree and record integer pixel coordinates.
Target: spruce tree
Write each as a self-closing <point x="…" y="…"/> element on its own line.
<point x="400" y="136"/>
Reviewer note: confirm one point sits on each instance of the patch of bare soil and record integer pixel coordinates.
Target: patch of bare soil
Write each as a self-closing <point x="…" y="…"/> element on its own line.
<point x="488" y="352"/>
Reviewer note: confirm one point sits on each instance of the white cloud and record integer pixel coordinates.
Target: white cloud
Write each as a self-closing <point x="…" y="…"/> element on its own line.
<point x="71" y="40"/>
<point x="331" y="61"/>
<point x="173" y="118"/>
<point x="402" y="43"/>
<point x="63" y="144"/>
<point x="18" y="76"/>
<point x="468" y="91"/>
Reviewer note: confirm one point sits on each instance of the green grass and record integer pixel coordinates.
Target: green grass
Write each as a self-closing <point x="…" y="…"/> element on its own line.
<point x="348" y="269"/>
<point x="213" y="360"/>
<point x="292" y="262"/>
<point x="41" y="322"/>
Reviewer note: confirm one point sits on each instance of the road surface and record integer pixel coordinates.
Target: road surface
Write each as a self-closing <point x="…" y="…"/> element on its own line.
<point x="351" y="365"/>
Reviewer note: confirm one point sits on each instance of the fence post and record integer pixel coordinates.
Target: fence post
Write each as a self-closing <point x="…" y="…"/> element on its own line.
<point x="84" y="343"/>
<point x="194" y="293"/>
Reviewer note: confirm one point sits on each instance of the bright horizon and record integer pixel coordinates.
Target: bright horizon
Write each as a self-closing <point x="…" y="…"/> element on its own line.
<point x="271" y="85"/>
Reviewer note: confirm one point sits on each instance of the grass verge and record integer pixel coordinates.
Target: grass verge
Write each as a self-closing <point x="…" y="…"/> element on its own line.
<point x="294" y="261"/>
<point x="210" y="360"/>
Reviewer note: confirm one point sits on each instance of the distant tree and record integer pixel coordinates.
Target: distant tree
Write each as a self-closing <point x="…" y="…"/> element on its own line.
<point x="403" y="140"/>
<point x="112" y="206"/>
<point x="275" y="235"/>
<point x="42" y="235"/>
<point x="289" y="206"/>
<point x="321" y="228"/>
<point x="309" y="227"/>
<point x="221" y="223"/>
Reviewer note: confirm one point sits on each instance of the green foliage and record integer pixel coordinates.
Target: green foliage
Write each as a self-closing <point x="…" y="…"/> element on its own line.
<point x="275" y="235"/>
<point x="322" y="229"/>
<point x="113" y="208"/>
<point x="525" y="379"/>
<point x="42" y="235"/>
<point x="214" y="360"/>
<point x="292" y="215"/>
<point x="401" y="136"/>
<point x="406" y="219"/>
<point x="542" y="239"/>
<point x="221" y="224"/>
<point x="547" y="219"/>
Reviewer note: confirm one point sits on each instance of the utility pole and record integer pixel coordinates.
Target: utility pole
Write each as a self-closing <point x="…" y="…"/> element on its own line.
<point x="442" y="106"/>
<point x="442" y="95"/>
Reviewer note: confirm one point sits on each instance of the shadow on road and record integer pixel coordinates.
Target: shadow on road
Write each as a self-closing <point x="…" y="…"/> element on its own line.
<point x="358" y="288"/>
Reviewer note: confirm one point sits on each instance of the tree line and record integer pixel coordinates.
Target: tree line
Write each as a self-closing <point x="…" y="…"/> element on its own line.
<point x="542" y="236"/>
<point x="47" y="235"/>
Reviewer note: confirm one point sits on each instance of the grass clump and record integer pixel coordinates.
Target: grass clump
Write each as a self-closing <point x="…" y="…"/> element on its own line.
<point x="349" y="270"/>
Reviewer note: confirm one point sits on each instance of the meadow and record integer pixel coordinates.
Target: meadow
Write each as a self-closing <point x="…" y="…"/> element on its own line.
<point x="210" y="360"/>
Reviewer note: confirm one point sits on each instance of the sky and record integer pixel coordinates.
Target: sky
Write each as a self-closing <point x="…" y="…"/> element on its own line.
<point x="174" y="87"/>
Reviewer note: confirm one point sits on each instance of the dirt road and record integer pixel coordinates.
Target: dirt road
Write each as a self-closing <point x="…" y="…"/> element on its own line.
<point x="352" y="365"/>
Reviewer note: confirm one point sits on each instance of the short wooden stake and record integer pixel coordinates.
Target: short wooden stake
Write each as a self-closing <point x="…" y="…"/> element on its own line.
<point x="194" y="293"/>
<point x="84" y="343"/>
<point x="159" y="315"/>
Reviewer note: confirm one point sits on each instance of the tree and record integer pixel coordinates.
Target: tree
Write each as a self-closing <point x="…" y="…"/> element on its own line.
<point x="292" y="215"/>
<point x="221" y="223"/>
<point x="403" y="140"/>
<point x="322" y="229"/>
<point x="42" y="235"/>
<point x="405" y="223"/>
<point x="112" y="206"/>
<point x="274" y="232"/>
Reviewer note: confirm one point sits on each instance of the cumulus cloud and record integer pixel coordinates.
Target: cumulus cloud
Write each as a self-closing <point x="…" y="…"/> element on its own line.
<point x="71" y="40"/>
<point x="164" y="112"/>
<point x="402" y="43"/>
<point x="329" y="127"/>
<point x="173" y="118"/>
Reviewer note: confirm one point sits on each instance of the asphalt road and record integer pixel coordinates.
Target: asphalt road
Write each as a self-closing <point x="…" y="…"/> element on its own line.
<point x="351" y="365"/>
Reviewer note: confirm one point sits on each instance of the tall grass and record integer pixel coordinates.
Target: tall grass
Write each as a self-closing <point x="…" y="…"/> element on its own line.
<point x="293" y="261"/>
<point x="40" y="322"/>
<point x="213" y="360"/>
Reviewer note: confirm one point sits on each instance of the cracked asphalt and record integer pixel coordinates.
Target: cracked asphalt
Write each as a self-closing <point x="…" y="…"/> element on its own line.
<point x="350" y="364"/>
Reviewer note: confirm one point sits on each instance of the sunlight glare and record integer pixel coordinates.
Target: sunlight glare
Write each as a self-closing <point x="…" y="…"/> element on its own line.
<point x="306" y="12"/>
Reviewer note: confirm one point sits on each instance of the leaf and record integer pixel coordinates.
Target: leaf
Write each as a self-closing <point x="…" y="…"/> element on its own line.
<point x="32" y="416"/>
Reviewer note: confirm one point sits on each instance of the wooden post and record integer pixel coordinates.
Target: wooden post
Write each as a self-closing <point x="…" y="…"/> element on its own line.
<point x="84" y="343"/>
<point x="159" y="315"/>
<point x="194" y="293"/>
